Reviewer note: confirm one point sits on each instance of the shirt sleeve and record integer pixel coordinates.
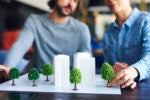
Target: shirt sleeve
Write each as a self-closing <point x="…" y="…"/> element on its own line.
<point x="22" y="45"/>
<point x="143" y="65"/>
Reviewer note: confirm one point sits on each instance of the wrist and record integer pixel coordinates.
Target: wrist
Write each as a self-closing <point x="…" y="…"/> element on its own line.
<point x="134" y="71"/>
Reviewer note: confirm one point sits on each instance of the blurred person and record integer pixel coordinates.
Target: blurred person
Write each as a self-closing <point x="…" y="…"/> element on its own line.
<point x="51" y="34"/>
<point x="127" y="44"/>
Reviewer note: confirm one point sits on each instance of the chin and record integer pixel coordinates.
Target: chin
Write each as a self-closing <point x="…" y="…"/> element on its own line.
<point x="115" y="11"/>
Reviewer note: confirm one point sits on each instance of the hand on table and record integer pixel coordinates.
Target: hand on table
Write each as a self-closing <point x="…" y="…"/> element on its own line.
<point x="119" y="66"/>
<point x="124" y="75"/>
<point x="5" y="74"/>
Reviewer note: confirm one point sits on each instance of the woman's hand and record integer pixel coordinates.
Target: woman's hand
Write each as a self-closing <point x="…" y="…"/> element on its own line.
<point x="124" y="76"/>
<point x="119" y="66"/>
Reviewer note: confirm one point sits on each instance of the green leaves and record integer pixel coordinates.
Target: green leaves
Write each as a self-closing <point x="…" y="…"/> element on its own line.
<point x="47" y="69"/>
<point x="75" y="76"/>
<point x="33" y="74"/>
<point x="13" y="73"/>
<point x="107" y="71"/>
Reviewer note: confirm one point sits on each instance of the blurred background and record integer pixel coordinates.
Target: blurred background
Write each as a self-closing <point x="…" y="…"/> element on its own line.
<point x="95" y="14"/>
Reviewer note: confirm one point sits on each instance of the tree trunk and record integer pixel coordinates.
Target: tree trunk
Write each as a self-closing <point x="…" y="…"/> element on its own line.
<point x="34" y="83"/>
<point x="75" y="87"/>
<point x="47" y="78"/>
<point x="13" y="82"/>
<point x="107" y="84"/>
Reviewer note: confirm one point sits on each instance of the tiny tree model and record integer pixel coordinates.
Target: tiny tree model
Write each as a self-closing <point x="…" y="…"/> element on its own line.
<point x="75" y="77"/>
<point x="47" y="70"/>
<point x="13" y="74"/>
<point x="33" y="75"/>
<point x="107" y="72"/>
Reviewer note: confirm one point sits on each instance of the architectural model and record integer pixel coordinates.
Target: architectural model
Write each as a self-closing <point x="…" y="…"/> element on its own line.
<point x="61" y="70"/>
<point x="89" y="82"/>
<point x="86" y="64"/>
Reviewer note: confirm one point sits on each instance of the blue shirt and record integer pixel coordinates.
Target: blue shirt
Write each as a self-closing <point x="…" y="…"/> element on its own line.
<point x="130" y="43"/>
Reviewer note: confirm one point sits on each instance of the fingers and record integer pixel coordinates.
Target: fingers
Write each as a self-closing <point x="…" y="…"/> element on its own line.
<point x="128" y="83"/>
<point x="125" y="64"/>
<point x="6" y="71"/>
<point x="117" y="78"/>
<point x="133" y="85"/>
<point x="119" y="66"/>
<point x="123" y="79"/>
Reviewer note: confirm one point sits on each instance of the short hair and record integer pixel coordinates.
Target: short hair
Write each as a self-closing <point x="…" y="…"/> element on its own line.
<point x="52" y="3"/>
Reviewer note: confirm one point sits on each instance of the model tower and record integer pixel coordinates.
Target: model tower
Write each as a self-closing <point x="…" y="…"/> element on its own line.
<point x="86" y="64"/>
<point x="61" y="70"/>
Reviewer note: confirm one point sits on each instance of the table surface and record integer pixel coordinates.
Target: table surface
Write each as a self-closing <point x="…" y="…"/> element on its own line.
<point x="141" y="92"/>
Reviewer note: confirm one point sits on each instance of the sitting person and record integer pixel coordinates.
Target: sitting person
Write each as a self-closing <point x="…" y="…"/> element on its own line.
<point x="51" y="34"/>
<point x="127" y="44"/>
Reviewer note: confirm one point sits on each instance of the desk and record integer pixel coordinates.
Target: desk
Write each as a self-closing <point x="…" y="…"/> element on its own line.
<point x="141" y="92"/>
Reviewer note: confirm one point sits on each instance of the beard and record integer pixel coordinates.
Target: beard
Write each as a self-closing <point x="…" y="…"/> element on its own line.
<point x="61" y="13"/>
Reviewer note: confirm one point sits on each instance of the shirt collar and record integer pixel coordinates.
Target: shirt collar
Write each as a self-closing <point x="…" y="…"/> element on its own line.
<point x="131" y="19"/>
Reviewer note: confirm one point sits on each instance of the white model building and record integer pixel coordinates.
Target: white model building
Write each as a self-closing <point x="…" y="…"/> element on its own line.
<point x="86" y="64"/>
<point x="61" y="70"/>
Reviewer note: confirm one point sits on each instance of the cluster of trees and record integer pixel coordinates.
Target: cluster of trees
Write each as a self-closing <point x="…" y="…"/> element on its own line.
<point x="32" y="75"/>
<point x="75" y="76"/>
<point x="107" y="73"/>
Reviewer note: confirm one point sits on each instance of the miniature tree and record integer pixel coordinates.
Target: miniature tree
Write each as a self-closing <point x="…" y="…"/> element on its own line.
<point x="107" y="72"/>
<point x="47" y="70"/>
<point x="33" y="75"/>
<point x="75" y="77"/>
<point x="13" y="74"/>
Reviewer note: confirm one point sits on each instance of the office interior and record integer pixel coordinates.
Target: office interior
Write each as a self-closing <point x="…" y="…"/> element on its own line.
<point x="94" y="13"/>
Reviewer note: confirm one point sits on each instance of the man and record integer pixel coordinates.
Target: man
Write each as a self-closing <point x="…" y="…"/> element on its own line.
<point x="51" y="34"/>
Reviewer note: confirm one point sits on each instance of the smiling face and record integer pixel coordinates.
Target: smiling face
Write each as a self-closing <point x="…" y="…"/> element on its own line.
<point x="117" y="6"/>
<point x="66" y="7"/>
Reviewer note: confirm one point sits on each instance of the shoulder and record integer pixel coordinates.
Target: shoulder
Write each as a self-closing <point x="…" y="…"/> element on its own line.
<point x="36" y="17"/>
<point x="145" y="17"/>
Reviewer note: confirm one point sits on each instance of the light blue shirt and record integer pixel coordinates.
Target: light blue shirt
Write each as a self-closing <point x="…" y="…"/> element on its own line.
<point x="130" y="43"/>
<point x="49" y="39"/>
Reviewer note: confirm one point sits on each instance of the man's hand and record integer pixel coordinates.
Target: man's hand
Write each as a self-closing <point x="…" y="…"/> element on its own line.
<point x="5" y="74"/>
<point x="124" y="76"/>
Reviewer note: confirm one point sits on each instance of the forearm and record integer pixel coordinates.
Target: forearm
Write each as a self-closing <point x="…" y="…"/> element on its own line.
<point x="18" y="50"/>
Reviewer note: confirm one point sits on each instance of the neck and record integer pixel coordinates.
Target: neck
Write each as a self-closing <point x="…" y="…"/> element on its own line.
<point x="122" y="17"/>
<point x="56" y="18"/>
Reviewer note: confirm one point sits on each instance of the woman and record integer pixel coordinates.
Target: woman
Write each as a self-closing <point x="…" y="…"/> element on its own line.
<point x="126" y="44"/>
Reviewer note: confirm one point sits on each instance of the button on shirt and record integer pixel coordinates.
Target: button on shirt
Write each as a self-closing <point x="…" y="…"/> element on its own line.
<point x="130" y="43"/>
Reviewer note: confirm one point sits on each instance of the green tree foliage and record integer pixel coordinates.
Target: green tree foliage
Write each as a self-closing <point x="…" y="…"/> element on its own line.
<point x="33" y="75"/>
<point x="75" y="77"/>
<point x="47" y="70"/>
<point x="13" y="74"/>
<point x="107" y="71"/>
